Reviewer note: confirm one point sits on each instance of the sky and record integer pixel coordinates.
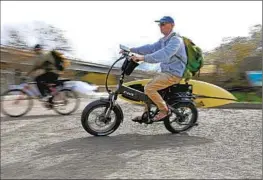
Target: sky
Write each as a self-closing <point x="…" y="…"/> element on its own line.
<point x="96" y="28"/>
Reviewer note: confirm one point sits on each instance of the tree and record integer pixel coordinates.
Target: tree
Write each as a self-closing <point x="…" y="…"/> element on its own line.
<point x="47" y="35"/>
<point x="256" y="38"/>
<point x="231" y="53"/>
<point x="16" y="40"/>
<point x="50" y="36"/>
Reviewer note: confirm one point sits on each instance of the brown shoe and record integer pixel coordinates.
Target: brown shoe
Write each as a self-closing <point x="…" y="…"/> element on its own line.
<point x="139" y="118"/>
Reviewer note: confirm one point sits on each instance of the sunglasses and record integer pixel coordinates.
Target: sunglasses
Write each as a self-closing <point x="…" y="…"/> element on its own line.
<point x="162" y="24"/>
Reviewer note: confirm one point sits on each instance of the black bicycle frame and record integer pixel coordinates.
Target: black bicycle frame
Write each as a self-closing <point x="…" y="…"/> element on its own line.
<point x="139" y="96"/>
<point x="133" y="94"/>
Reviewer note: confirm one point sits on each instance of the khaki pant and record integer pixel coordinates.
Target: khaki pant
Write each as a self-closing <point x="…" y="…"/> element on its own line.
<point x="160" y="81"/>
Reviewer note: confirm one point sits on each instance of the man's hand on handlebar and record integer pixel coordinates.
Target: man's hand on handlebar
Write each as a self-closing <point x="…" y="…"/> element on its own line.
<point x="132" y="57"/>
<point x="137" y="59"/>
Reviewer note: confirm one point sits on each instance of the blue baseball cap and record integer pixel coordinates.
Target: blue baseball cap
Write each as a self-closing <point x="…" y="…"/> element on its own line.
<point x="165" y="19"/>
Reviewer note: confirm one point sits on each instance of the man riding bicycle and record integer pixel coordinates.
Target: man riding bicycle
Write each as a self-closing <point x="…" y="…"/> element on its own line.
<point x="165" y="51"/>
<point x="47" y="71"/>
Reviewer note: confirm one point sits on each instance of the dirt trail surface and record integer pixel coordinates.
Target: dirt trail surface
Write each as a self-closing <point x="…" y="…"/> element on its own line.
<point x="42" y="144"/>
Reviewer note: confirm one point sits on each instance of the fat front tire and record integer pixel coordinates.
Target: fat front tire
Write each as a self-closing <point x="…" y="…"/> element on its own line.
<point x="100" y="118"/>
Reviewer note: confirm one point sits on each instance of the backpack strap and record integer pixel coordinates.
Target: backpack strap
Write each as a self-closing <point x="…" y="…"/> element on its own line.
<point x="180" y="58"/>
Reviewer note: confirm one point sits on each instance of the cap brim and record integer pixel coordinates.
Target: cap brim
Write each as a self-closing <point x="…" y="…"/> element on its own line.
<point x="159" y="21"/>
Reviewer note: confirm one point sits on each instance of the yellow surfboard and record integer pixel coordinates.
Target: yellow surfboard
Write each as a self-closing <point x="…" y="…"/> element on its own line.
<point x="208" y="95"/>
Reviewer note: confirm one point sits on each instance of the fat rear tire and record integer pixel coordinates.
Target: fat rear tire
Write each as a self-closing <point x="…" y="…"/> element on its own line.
<point x="191" y="123"/>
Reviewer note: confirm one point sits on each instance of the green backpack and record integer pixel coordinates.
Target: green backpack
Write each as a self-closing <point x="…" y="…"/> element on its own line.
<point x="59" y="60"/>
<point x="195" y="59"/>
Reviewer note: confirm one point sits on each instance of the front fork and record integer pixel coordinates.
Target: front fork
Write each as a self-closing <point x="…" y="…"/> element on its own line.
<point x="113" y="97"/>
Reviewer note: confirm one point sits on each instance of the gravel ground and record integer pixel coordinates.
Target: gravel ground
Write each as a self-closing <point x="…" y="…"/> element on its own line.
<point x="226" y="144"/>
